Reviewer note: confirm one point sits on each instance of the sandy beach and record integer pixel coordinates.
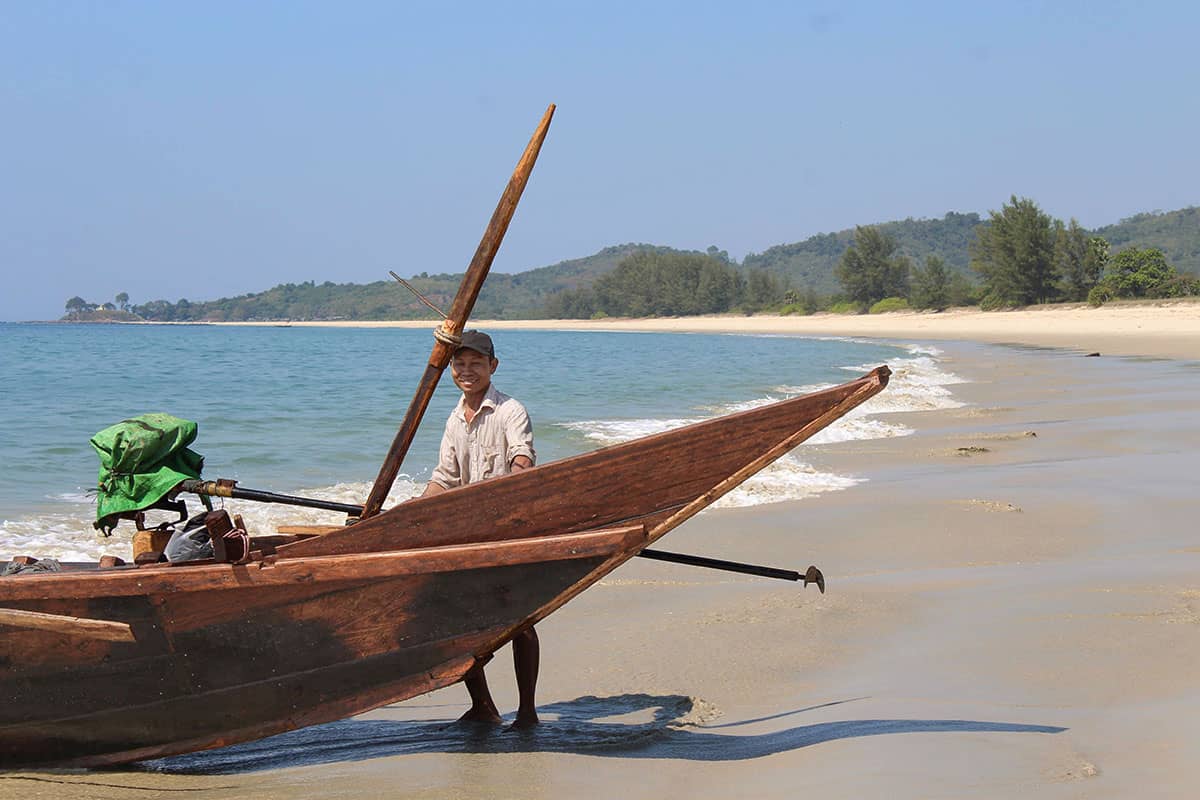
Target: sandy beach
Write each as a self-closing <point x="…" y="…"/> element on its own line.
<point x="1013" y="610"/>
<point x="1166" y="328"/>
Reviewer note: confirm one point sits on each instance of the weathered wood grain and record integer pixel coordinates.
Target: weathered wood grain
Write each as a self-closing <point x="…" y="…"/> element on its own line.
<point x="307" y="530"/>
<point x="224" y="653"/>
<point x="80" y="627"/>
<point x="608" y="486"/>
<point x="244" y="662"/>
<point x="308" y="660"/>
<point x="317" y="569"/>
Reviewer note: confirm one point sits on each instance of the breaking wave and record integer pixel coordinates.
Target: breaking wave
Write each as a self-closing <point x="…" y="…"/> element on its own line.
<point x="68" y="534"/>
<point x="918" y="383"/>
<point x="62" y="527"/>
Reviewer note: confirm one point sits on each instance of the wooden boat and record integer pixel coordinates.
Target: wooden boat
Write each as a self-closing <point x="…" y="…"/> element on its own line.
<point x="108" y="665"/>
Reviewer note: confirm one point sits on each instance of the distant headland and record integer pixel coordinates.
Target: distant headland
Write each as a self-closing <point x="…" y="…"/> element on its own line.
<point x="1016" y="257"/>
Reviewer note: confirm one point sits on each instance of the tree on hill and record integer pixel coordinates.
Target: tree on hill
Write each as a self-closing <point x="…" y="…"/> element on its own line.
<point x="665" y="284"/>
<point x="122" y="299"/>
<point x="1176" y="233"/>
<point x="930" y="287"/>
<point x="870" y="270"/>
<point x="1080" y="259"/>
<point x="960" y="291"/>
<point x="1142" y="273"/>
<point x="813" y="262"/>
<point x="80" y="310"/>
<point x="1014" y="254"/>
<point x="719" y="255"/>
<point x="762" y="289"/>
<point x="571" y="304"/>
<point x="1136" y="273"/>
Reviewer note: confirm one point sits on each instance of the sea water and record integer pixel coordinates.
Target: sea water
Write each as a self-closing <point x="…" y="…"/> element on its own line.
<point x="312" y="410"/>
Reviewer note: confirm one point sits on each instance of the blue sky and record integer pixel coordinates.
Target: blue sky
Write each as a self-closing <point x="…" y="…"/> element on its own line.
<point x="208" y="149"/>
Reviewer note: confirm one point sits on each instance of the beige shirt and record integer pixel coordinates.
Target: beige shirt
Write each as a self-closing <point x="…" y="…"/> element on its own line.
<point x="484" y="448"/>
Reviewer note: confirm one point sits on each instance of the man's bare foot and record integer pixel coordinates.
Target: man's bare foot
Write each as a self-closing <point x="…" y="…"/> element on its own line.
<point x="525" y="721"/>
<point x="486" y="715"/>
<point x="483" y="708"/>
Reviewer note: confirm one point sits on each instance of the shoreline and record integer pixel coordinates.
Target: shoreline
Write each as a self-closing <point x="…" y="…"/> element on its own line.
<point x="1162" y="329"/>
<point x="1011" y="603"/>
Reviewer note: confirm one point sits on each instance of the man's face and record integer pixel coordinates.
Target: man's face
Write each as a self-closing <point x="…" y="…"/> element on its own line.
<point x="472" y="371"/>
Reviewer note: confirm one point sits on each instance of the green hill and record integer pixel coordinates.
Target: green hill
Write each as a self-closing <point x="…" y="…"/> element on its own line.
<point x="1176" y="233"/>
<point x="812" y="262"/>
<point x="504" y="296"/>
<point x="809" y="264"/>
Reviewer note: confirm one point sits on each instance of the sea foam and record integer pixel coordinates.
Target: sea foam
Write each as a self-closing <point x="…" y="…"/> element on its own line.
<point x="918" y="383"/>
<point x="68" y="535"/>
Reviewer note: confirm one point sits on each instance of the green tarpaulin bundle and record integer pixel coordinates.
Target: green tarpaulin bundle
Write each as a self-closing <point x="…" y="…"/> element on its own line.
<point x="141" y="460"/>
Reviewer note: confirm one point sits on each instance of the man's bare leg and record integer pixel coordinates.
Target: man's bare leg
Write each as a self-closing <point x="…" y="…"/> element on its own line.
<point x="526" y="655"/>
<point x="482" y="708"/>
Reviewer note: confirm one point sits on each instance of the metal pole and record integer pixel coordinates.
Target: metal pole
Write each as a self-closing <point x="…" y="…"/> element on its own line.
<point x="225" y="488"/>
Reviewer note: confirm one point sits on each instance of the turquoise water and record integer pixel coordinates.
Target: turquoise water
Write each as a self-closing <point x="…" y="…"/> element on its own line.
<point x="296" y="409"/>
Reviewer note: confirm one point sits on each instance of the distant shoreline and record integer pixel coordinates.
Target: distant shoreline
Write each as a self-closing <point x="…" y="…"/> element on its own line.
<point x="1164" y="328"/>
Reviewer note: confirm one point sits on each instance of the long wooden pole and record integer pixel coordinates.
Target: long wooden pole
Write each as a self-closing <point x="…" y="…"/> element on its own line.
<point x="448" y="333"/>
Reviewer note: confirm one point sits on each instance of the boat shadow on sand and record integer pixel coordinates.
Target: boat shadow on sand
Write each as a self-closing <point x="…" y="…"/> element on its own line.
<point x="624" y="726"/>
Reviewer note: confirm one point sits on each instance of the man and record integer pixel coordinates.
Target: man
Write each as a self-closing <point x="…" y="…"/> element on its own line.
<point x="488" y="434"/>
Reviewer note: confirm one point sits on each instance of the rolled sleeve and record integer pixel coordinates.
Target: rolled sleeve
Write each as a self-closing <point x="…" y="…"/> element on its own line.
<point x="518" y="431"/>
<point x="446" y="474"/>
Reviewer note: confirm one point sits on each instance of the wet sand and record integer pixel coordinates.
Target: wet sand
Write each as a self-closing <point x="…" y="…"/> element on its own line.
<point x="1012" y="609"/>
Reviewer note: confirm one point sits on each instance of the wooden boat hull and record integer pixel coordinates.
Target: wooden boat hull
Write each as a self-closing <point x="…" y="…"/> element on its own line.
<point x="274" y="649"/>
<point x="644" y="480"/>
<point x="395" y="606"/>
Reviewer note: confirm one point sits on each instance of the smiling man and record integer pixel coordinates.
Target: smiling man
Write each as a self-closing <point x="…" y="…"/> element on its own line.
<point x="487" y="435"/>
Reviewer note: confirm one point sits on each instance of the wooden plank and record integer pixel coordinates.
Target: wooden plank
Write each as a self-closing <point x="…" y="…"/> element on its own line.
<point x="234" y="673"/>
<point x="307" y="530"/>
<point x="321" y="569"/>
<point x="360" y="702"/>
<point x="239" y="668"/>
<point x="609" y="486"/>
<point x="25" y="651"/>
<point x="738" y="478"/>
<point x="90" y="685"/>
<point x="118" y="737"/>
<point x="103" y="629"/>
<point x="368" y="620"/>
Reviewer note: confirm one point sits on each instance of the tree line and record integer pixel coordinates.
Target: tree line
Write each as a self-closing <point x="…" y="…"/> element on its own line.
<point x="669" y="284"/>
<point x="81" y="310"/>
<point x="1018" y="256"/>
<point x="1022" y="257"/>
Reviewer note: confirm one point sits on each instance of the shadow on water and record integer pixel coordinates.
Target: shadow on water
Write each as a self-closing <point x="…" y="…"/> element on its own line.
<point x="625" y="726"/>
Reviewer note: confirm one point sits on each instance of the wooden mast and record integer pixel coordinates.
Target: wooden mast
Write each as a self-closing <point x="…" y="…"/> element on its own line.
<point x="448" y="333"/>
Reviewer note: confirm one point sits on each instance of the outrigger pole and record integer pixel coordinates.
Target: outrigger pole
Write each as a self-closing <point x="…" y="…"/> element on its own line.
<point x="448" y="334"/>
<point x="224" y="487"/>
<point x="811" y="575"/>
